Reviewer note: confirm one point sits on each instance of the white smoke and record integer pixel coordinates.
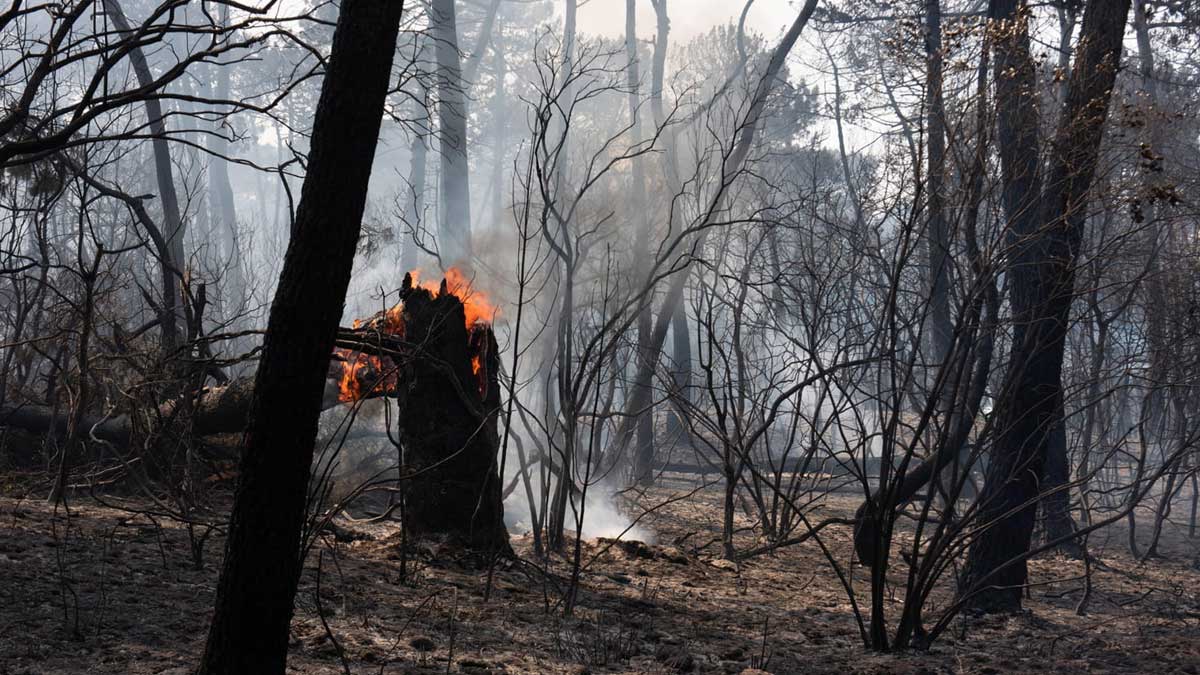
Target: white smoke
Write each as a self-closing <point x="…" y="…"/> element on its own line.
<point x="602" y="516"/>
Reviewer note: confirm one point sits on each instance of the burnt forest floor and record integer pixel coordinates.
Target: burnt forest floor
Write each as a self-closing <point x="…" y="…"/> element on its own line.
<point x="98" y="589"/>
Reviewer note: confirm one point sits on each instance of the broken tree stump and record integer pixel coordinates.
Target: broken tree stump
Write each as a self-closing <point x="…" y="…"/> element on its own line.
<point x="448" y="426"/>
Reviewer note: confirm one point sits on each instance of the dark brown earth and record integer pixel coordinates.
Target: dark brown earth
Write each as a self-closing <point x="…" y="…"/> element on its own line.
<point x="93" y="589"/>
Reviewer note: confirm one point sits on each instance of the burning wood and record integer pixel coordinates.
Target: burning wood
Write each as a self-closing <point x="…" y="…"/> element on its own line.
<point x="436" y="354"/>
<point x="448" y="419"/>
<point x="369" y="356"/>
<point x="366" y="363"/>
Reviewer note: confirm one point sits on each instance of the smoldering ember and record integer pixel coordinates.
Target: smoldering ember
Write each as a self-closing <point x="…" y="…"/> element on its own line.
<point x="599" y="336"/>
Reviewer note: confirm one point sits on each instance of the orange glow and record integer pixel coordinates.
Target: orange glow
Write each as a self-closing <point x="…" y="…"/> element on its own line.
<point x="359" y="370"/>
<point x="349" y="388"/>
<point x="393" y="322"/>
<point x="476" y="305"/>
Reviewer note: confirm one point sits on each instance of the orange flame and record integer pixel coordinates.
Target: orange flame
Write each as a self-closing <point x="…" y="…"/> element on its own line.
<point x="476" y="305"/>
<point x="352" y="362"/>
<point x="360" y="371"/>
<point x="358" y="368"/>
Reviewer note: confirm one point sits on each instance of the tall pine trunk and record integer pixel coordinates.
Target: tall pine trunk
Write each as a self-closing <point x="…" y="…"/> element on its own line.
<point x="454" y="214"/>
<point x="410" y="230"/>
<point x="172" y="223"/>
<point x="221" y="196"/>
<point x="678" y="430"/>
<point x="643" y="467"/>
<point x="937" y="236"/>
<point x="249" y="632"/>
<point x="1029" y="403"/>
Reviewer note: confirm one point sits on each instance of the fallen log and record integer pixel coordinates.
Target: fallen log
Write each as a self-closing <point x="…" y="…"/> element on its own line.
<point x="216" y="410"/>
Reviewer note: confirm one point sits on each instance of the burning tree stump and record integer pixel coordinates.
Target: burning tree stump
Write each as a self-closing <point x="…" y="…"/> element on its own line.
<point x="448" y="424"/>
<point x="436" y="353"/>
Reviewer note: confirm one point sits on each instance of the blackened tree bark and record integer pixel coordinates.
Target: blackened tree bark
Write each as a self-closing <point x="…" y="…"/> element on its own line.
<point x="449" y="424"/>
<point x="1017" y="122"/>
<point x="249" y="632"/>
<point x="937" y="236"/>
<point x="1029" y="402"/>
<point x="1056" y="475"/>
<point x="1056" y="490"/>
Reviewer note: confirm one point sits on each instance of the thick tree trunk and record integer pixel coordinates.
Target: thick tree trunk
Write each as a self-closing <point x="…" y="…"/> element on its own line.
<point x="1017" y="123"/>
<point x="1056" y="499"/>
<point x="454" y="217"/>
<point x="1029" y="402"/>
<point x="937" y="235"/>
<point x="214" y="410"/>
<point x="1056" y="502"/>
<point x="449" y="425"/>
<point x="249" y="632"/>
<point x="500" y="139"/>
<point x="1174" y="476"/>
<point x="470" y="69"/>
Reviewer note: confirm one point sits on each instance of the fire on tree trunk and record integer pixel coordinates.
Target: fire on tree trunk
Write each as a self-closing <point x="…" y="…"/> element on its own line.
<point x="445" y="378"/>
<point x="448" y="427"/>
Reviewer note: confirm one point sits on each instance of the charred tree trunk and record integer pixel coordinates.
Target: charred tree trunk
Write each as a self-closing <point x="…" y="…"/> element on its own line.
<point x="1030" y="400"/>
<point x="88" y="274"/>
<point x="500" y="134"/>
<point x="249" y="632"/>
<point x="938" y="236"/>
<point x="1017" y="122"/>
<point x="1174" y="476"/>
<point x="449" y="426"/>
<point x="1056" y="499"/>
<point x="212" y="410"/>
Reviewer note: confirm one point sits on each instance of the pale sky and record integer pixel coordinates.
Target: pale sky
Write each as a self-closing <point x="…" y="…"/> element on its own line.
<point x="769" y="18"/>
<point x="688" y="17"/>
